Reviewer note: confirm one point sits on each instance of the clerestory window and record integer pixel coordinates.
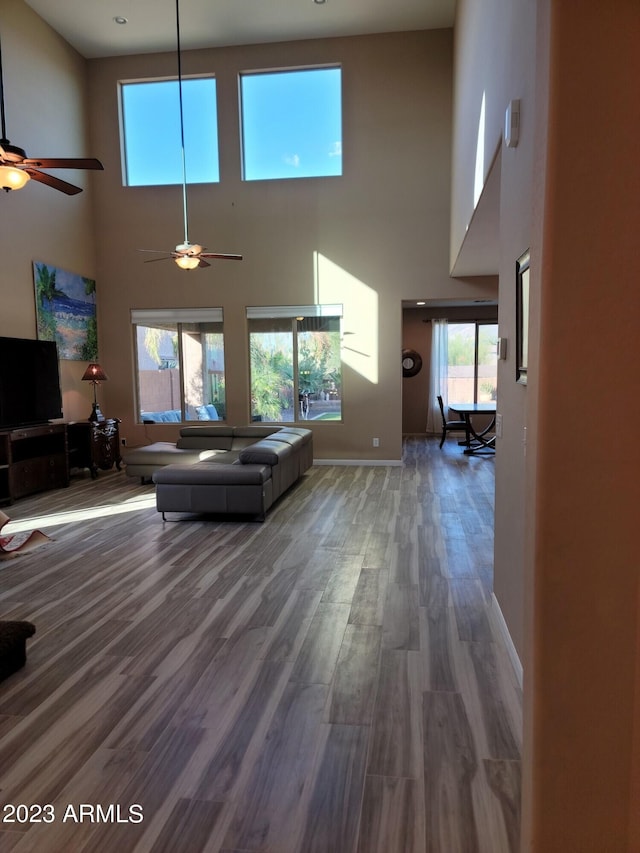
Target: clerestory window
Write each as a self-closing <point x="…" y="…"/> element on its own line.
<point x="291" y="123"/>
<point x="150" y="131"/>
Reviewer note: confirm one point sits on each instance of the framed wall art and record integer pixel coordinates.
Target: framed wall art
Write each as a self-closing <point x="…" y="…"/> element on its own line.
<point x="522" y="317"/>
<point x="66" y="311"/>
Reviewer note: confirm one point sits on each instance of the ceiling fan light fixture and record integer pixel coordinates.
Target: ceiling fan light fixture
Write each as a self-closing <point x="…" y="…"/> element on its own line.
<point x="187" y="262"/>
<point x="16" y="169"/>
<point x="12" y="178"/>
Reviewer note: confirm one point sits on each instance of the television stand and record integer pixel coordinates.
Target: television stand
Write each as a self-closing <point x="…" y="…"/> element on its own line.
<point x="32" y="459"/>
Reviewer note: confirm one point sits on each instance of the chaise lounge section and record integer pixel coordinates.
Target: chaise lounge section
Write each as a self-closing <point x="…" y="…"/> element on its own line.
<point x="195" y="444"/>
<point x="221" y="469"/>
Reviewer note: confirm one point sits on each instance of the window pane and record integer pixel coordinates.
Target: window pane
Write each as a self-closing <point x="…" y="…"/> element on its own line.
<point x="291" y="124"/>
<point x="158" y="373"/>
<point x="461" y="359"/>
<point x="296" y="371"/>
<point x="271" y="356"/>
<point x="180" y="357"/>
<point x="151" y="131"/>
<point x="319" y="370"/>
<point x="203" y="369"/>
<point x="487" y="363"/>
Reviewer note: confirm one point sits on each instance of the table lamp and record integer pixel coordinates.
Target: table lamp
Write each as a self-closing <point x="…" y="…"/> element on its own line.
<point x="94" y="373"/>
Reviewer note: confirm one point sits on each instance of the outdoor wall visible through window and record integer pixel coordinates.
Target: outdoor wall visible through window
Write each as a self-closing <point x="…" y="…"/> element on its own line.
<point x="296" y="372"/>
<point x="291" y="123"/>
<point x="472" y="375"/>
<point x="152" y="148"/>
<point x="180" y="368"/>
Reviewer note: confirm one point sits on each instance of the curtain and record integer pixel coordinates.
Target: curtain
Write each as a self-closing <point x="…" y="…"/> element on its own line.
<point x="437" y="375"/>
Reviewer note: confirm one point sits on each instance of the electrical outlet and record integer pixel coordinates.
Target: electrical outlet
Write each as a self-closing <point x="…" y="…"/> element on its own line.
<point x="376" y="442"/>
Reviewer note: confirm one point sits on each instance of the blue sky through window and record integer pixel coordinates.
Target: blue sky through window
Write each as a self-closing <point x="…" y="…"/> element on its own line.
<point x="292" y="124"/>
<point x="151" y="119"/>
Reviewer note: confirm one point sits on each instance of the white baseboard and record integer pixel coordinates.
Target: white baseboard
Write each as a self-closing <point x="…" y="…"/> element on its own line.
<point x="501" y="627"/>
<point x="364" y="462"/>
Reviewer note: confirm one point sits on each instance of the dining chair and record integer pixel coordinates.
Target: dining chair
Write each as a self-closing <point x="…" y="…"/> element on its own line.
<point x="449" y="426"/>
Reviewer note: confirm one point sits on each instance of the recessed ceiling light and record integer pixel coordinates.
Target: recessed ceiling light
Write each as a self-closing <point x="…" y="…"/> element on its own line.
<point x="319" y="2"/>
<point x="120" y="20"/>
<point x="421" y="303"/>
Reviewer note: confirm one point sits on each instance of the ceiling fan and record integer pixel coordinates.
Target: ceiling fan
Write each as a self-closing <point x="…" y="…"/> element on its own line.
<point x="188" y="256"/>
<point x="16" y="168"/>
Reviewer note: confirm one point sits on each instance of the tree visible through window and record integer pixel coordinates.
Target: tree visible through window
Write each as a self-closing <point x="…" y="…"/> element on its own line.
<point x="472" y="375"/>
<point x="180" y="368"/>
<point x="295" y="368"/>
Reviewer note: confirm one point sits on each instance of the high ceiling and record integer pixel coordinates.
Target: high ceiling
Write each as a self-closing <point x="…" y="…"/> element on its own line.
<point x="90" y="26"/>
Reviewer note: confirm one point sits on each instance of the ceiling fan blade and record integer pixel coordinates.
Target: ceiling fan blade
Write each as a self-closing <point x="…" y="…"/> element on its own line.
<point x="63" y="162"/>
<point x="221" y="256"/>
<point x="151" y="260"/>
<point x="203" y="263"/>
<point x="157" y="251"/>
<point x="55" y="183"/>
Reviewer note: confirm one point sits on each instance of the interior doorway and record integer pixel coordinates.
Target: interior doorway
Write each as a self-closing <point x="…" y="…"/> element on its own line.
<point x="416" y="337"/>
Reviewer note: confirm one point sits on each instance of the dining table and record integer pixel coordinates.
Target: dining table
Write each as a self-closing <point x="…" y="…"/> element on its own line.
<point x="484" y="440"/>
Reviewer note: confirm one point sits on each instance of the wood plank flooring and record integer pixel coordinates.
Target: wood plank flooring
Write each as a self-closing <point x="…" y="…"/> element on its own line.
<point x="326" y="682"/>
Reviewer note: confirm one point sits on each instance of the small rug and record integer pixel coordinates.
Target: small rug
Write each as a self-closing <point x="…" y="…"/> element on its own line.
<point x="13" y="545"/>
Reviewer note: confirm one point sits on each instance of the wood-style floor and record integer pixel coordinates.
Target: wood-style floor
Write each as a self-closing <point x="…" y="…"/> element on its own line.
<point x="326" y="682"/>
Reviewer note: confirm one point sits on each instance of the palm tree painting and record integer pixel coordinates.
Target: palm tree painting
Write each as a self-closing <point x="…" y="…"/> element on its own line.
<point x="66" y="311"/>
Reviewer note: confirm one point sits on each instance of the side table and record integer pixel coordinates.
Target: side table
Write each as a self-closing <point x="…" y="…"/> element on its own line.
<point x="94" y="445"/>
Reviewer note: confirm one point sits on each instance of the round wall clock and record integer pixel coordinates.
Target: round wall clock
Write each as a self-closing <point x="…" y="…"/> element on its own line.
<point x="411" y="363"/>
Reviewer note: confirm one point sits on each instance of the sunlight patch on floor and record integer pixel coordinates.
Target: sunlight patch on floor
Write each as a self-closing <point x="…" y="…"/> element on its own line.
<point x="142" y="502"/>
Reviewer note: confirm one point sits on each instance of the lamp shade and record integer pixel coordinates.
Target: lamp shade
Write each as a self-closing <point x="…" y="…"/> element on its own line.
<point x="12" y="178"/>
<point x="94" y="373"/>
<point x="186" y="262"/>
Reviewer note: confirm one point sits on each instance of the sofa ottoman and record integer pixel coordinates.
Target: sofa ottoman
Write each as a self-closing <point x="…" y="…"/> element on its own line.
<point x="208" y="488"/>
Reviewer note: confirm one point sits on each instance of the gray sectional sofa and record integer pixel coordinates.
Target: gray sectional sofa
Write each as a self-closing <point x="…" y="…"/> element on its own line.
<point x="223" y="469"/>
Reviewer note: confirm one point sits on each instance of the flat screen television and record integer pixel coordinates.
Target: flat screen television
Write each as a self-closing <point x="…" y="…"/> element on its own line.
<point x="29" y="382"/>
